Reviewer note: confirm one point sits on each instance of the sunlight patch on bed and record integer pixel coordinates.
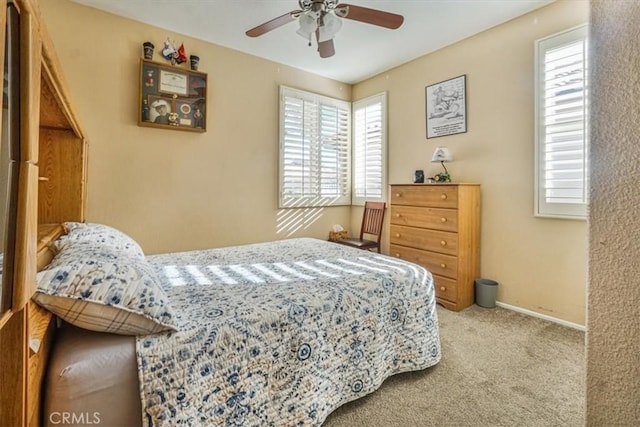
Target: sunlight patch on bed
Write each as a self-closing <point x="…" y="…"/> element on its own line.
<point x="269" y="272"/>
<point x="303" y="264"/>
<point x="385" y="264"/>
<point x="172" y="273"/>
<point x="361" y="265"/>
<point x="246" y="274"/>
<point x="198" y="275"/>
<point x="278" y="272"/>
<point x="290" y="270"/>
<point x="414" y="269"/>
<point x="222" y="275"/>
<point x="337" y="267"/>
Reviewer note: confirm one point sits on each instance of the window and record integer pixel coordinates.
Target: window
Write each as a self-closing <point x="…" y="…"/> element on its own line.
<point x="315" y="145"/>
<point x="562" y="99"/>
<point x="369" y="149"/>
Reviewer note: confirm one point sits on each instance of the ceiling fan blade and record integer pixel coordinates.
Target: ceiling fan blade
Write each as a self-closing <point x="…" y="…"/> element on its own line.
<point x="273" y="24"/>
<point x="369" y="16"/>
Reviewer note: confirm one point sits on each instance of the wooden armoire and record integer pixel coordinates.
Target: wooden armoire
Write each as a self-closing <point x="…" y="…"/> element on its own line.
<point x="51" y="187"/>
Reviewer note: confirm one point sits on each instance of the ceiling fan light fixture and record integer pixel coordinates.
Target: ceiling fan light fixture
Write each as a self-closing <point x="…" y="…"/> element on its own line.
<point x="322" y="19"/>
<point x="308" y="25"/>
<point x="332" y="25"/>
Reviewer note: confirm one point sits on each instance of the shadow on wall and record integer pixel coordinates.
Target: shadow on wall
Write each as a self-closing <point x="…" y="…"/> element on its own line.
<point x="294" y="215"/>
<point x="290" y="221"/>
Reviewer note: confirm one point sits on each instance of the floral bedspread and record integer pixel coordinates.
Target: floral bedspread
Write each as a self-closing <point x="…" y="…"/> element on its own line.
<point x="282" y="333"/>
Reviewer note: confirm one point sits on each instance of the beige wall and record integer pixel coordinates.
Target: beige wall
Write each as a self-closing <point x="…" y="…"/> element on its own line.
<point x="176" y="190"/>
<point x="613" y="337"/>
<point x="539" y="263"/>
<point x="220" y="188"/>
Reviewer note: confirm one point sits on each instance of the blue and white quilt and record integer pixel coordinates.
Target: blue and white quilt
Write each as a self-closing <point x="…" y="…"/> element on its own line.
<point x="282" y="333"/>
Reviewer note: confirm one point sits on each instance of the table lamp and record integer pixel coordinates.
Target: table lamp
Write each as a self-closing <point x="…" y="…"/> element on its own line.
<point x="442" y="155"/>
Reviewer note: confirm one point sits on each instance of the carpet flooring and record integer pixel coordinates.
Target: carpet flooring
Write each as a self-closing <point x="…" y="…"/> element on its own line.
<point x="498" y="368"/>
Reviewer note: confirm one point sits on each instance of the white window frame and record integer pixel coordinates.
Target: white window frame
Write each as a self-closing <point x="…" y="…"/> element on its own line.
<point x="380" y="98"/>
<point x="542" y="207"/>
<point x="314" y="199"/>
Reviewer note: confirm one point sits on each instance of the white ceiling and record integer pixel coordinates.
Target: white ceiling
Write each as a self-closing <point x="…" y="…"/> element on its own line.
<point x="362" y="50"/>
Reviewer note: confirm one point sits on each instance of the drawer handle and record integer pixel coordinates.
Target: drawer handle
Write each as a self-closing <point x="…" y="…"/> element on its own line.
<point x="442" y="288"/>
<point x="443" y="265"/>
<point x="443" y="243"/>
<point x="443" y="219"/>
<point x="443" y="196"/>
<point x="397" y="255"/>
<point x="398" y="194"/>
<point x="398" y="215"/>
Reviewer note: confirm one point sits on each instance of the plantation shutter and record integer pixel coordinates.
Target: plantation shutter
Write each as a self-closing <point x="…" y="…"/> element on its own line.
<point x="369" y="149"/>
<point x="314" y="150"/>
<point x="562" y="125"/>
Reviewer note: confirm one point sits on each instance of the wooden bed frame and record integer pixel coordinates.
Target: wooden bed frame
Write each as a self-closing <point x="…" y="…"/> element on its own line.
<point x="52" y="189"/>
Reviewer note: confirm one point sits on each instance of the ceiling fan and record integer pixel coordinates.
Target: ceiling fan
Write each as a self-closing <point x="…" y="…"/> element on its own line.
<point x="323" y="18"/>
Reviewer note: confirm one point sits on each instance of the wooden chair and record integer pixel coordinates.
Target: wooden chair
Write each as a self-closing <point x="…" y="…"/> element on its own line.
<point x="371" y="225"/>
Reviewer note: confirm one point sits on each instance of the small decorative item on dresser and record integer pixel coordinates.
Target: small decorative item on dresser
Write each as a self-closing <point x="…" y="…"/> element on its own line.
<point x="442" y="155"/>
<point x="147" y="48"/>
<point x="418" y="177"/>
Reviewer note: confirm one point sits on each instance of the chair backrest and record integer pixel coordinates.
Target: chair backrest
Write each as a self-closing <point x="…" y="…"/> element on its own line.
<point x="372" y="219"/>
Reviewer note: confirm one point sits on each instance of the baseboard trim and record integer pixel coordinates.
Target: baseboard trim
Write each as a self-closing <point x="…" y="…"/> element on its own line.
<point x="541" y="316"/>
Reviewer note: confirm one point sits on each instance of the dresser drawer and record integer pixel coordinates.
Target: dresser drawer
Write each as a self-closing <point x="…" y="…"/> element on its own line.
<point x="422" y="238"/>
<point x="437" y="196"/>
<point x="445" y="288"/>
<point x="444" y="265"/>
<point x="434" y="218"/>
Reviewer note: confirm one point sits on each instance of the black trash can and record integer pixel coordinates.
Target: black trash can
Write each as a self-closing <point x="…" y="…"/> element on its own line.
<point x="486" y="292"/>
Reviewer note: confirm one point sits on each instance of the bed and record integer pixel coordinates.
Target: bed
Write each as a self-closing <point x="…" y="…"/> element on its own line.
<point x="278" y="333"/>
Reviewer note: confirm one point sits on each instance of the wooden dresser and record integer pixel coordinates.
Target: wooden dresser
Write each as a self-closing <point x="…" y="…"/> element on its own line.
<point x="438" y="227"/>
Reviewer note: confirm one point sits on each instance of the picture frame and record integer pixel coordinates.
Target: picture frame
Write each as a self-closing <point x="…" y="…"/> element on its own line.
<point x="446" y="107"/>
<point x="172" y="97"/>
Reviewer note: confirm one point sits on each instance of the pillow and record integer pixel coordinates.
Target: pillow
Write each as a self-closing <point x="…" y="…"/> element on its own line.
<point x="101" y="289"/>
<point x="80" y="232"/>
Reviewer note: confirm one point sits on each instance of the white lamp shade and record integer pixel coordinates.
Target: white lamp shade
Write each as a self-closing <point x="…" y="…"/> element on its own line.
<point x="308" y="25"/>
<point x="441" y="154"/>
<point x="331" y="26"/>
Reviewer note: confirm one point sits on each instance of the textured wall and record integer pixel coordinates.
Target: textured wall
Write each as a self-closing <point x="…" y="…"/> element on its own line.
<point x="613" y="338"/>
<point x="541" y="263"/>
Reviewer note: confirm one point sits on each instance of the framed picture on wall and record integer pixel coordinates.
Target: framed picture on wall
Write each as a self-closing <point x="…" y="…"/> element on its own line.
<point x="172" y="97"/>
<point x="446" y="107"/>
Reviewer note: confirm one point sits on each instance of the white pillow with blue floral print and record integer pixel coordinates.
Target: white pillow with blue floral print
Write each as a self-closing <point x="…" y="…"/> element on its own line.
<point x="93" y="233"/>
<point x="105" y="290"/>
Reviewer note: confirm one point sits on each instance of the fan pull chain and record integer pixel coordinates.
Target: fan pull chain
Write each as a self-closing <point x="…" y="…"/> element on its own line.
<point x="309" y="40"/>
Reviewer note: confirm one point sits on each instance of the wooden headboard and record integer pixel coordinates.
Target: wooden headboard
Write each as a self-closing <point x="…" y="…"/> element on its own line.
<point x="52" y="190"/>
